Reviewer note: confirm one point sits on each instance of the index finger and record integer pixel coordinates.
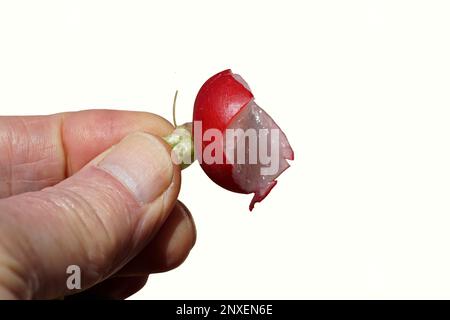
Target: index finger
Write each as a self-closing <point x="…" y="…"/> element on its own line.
<point x="39" y="151"/>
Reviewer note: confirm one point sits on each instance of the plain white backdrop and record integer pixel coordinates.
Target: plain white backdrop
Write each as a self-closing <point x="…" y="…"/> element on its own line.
<point x="361" y="89"/>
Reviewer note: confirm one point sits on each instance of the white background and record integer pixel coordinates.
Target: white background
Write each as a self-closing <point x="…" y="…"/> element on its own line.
<point x="361" y="89"/>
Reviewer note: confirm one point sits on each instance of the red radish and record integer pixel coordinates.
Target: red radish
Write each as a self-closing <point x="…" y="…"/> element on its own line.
<point x="226" y="102"/>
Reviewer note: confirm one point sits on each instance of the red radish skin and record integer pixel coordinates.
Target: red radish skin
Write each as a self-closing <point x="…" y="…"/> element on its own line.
<point x="219" y="101"/>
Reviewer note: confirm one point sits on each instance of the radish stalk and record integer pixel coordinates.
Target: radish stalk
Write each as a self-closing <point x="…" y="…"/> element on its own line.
<point x="181" y="140"/>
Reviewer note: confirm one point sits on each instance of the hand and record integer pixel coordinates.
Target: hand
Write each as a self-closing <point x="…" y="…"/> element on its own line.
<point x="89" y="189"/>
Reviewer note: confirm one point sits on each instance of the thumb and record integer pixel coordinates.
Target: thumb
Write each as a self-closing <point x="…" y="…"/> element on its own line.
<point x="98" y="219"/>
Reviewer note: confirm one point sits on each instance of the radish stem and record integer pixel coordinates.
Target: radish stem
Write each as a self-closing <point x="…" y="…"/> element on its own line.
<point x="173" y="109"/>
<point x="181" y="140"/>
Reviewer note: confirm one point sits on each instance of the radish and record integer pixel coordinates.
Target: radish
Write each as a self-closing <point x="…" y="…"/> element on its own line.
<point x="226" y="120"/>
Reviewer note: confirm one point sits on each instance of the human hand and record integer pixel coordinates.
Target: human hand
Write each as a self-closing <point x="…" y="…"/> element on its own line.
<point x="69" y="197"/>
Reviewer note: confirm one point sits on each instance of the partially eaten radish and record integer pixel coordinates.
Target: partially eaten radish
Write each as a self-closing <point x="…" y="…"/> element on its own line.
<point x="225" y="106"/>
<point x="226" y="102"/>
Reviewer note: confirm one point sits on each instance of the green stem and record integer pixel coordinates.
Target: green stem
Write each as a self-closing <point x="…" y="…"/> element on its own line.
<point x="173" y="109"/>
<point x="181" y="140"/>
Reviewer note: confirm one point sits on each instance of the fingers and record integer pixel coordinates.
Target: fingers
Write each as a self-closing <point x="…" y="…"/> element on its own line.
<point x="169" y="248"/>
<point x="40" y="151"/>
<point x="98" y="219"/>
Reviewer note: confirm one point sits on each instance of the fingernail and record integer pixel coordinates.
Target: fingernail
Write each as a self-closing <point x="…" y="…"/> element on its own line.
<point x="142" y="164"/>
